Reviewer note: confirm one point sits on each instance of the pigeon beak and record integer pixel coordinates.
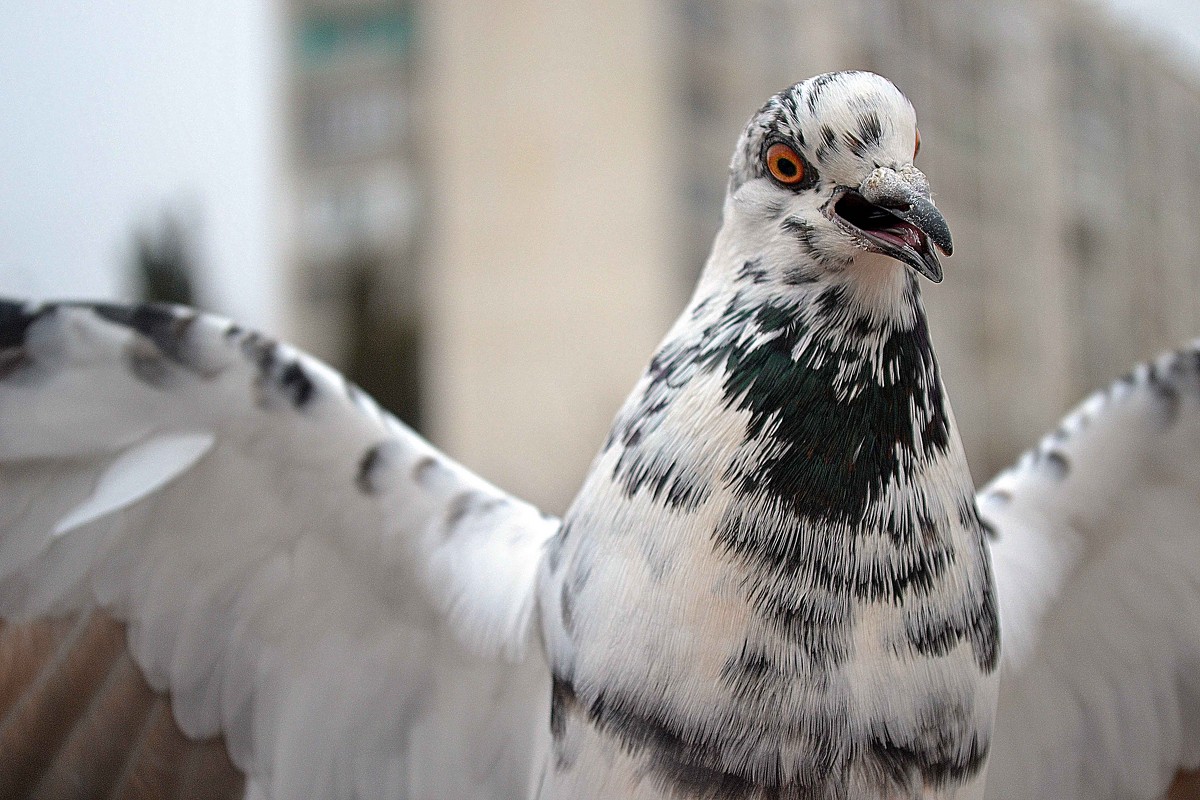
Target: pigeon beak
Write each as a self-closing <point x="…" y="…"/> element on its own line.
<point x="892" y="213"/>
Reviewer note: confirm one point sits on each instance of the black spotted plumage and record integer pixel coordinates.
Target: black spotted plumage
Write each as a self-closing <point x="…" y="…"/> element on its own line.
<point x="369" y="466"/>
<point x="165" y="326"/>
<point x="839" y="451"/>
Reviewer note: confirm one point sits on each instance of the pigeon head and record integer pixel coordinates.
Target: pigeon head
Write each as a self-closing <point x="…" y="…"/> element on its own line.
<point x="825" y="171"/>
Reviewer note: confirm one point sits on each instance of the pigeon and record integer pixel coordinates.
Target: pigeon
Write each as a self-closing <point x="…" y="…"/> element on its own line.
<point x="777" y="580"/>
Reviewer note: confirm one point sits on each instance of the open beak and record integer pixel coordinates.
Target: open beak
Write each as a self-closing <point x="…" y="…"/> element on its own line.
<point x="892" y="213"/>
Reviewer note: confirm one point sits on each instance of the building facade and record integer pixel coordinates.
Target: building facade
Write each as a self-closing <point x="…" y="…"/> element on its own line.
<point x="356" y="202"/>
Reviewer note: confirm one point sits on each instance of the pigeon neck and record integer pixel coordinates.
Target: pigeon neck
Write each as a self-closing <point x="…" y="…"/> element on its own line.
<point x="823" y="391"/>
<point x="841" y="402"/>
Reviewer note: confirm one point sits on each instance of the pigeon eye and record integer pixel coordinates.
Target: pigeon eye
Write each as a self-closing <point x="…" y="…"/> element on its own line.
<point x="917" y="148"/>
<point x="785" y="164"/>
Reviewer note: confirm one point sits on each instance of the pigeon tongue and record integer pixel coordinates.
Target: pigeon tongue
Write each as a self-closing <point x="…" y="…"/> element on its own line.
<point x="910" y="236"/>
<point x="903" y="233"/>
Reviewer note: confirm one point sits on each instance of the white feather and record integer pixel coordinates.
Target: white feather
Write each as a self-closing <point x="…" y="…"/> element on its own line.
<point x="139" y="471"/>
<point x="1097" y="564"/>
<point x="300" y="571"/>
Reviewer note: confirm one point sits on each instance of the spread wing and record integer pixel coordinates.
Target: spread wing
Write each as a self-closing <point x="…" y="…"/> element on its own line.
<point x="294" y="569"/>
<point x="1097" y="560"/>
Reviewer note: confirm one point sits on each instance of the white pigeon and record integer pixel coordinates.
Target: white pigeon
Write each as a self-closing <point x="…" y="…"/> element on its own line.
<point x="773" y="585"/>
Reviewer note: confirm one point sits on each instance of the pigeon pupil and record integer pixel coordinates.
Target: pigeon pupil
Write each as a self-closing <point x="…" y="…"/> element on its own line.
<point x="788" y="168"/>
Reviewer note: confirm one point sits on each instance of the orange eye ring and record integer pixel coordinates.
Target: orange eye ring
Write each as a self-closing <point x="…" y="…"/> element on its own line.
<point x="917" y="147"/>
<point x="785" y="164"/>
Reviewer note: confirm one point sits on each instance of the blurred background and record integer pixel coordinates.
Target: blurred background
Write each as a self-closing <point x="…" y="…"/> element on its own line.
<point x="488" y="213"/>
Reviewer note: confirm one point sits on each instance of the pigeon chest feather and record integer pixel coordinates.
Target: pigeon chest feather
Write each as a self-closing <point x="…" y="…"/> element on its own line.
<point x="797" y="597"/>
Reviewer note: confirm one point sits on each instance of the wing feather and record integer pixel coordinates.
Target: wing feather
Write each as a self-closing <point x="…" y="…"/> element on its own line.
<point x="1097" y="561"/>
<point x="77" y="719"/>
<point x="300" y="572"/>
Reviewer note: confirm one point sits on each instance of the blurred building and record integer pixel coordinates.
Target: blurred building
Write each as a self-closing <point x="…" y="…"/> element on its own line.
<point x="355" y="200"/>
<point x="506" y="311"/>
<point x="527" y="192"/>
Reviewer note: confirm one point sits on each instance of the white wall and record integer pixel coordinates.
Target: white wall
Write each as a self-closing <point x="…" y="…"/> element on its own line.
<point x="117" y="109"/>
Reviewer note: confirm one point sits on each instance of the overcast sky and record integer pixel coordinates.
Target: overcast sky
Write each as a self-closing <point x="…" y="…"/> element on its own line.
<point x="118" y="109"/>
<point x="1174" y="22"/>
